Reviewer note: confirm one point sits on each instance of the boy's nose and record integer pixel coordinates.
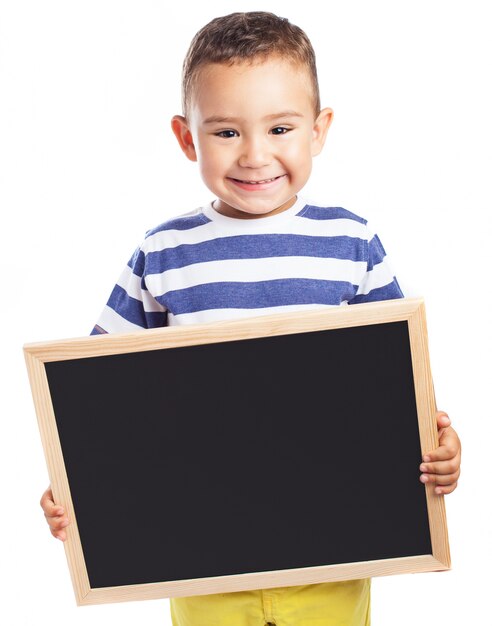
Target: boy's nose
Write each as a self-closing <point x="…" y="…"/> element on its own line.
<point x="255" y="153"/>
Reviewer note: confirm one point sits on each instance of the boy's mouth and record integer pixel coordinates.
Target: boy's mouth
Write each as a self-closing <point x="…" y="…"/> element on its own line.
<point x="257" y="182"/>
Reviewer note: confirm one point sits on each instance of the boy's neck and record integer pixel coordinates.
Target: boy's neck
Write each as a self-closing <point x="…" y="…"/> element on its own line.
<point x="225" y="209"/>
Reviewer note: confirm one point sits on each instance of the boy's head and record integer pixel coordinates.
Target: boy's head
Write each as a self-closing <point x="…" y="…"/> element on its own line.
<point x="251" y="112"/>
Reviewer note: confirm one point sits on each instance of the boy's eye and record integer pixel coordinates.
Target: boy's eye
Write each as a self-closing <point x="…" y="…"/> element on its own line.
<point x="226" y="133"/>
<point x="280" y="128"/>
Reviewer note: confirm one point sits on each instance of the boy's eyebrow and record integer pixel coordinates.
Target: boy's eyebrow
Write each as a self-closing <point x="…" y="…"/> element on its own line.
<point x="220" y="119"/>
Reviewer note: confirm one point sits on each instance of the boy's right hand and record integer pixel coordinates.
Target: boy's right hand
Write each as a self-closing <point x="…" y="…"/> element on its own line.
<point x="55" y="515"/>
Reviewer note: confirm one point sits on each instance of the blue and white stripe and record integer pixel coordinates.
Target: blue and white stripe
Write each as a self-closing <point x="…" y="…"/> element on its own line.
<point x="203" y="267"/>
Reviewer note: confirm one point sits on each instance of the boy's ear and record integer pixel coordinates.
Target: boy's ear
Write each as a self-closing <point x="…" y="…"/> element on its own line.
<point x="320" y="130"/>
<point x="183" y="135"/>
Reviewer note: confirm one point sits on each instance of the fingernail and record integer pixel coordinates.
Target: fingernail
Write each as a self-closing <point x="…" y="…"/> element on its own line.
<point x="423" y="468"/>
<point x="426" y="459"/>
<point x="438" y="491"/>
<point x="424" y="478"/>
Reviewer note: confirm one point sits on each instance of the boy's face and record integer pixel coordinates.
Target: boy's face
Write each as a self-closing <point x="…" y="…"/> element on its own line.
<point x="251" y="123"/>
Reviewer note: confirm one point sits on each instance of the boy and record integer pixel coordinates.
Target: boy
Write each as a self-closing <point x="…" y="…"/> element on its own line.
<point x="252" y="121"/>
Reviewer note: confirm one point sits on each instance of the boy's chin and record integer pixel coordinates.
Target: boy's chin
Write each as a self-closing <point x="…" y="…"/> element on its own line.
<point x="252" y="209"/>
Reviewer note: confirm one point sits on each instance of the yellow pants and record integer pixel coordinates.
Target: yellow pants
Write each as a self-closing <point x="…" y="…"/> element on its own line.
<point x="326" y="604"/>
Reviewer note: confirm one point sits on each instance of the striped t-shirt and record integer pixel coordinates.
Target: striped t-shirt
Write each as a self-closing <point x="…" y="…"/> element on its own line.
<point x="204" y="266"/>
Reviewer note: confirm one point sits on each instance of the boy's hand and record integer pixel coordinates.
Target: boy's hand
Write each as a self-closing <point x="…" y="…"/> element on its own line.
<point x="442" y="465"/>
<point x="55" y="515"/>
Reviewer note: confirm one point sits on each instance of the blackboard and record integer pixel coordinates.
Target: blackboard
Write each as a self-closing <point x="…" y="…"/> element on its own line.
<point x="263" y="452"/>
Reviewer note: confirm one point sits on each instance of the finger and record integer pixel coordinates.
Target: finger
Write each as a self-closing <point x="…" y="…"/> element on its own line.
<point x="445" y="490"/>
<point x="442" y="454"/>
<point x="60" y="534"/>
<point x="449" y="466"/>
<point x="55" y="513"/>
<point x="443" y="420"/>
<point x="57" y="523"/>
<point x="440" y="480"/>
<point x="48" y="505"/>
<point x="449" y="448"/>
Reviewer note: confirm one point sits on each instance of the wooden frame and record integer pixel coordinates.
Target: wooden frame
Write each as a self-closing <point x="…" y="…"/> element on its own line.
<point x="409" y="310"/>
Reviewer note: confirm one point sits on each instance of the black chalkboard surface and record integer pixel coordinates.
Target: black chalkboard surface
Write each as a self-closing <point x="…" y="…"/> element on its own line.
<point x="247" y="462"/>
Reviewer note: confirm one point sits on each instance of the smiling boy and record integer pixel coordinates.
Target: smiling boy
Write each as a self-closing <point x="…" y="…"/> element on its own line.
<point x="252" y="121"/>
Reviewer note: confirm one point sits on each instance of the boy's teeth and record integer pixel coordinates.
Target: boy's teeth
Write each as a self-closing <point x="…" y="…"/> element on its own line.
<point x="257" y="182"/>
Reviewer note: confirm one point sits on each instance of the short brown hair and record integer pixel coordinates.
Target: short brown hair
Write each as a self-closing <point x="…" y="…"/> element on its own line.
<point x="251" y="37"/>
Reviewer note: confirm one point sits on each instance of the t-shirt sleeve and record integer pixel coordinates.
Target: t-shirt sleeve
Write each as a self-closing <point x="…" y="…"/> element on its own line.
<point x="130" y="306"/>
<point x="379" y="281"/>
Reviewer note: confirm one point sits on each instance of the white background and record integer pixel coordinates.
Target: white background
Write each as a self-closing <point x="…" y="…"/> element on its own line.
<point x="88" y="163"/>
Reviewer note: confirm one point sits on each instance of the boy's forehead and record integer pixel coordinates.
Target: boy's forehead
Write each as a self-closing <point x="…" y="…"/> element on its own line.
<point x="220" y="86"/>
<point x="252" y="69"/>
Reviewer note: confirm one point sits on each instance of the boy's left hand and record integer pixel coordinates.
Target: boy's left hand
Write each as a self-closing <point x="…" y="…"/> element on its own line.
<point x="442" y="465"/>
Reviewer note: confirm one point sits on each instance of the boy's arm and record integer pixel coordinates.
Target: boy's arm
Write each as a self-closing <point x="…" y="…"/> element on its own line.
<point x="442" y="465"/>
